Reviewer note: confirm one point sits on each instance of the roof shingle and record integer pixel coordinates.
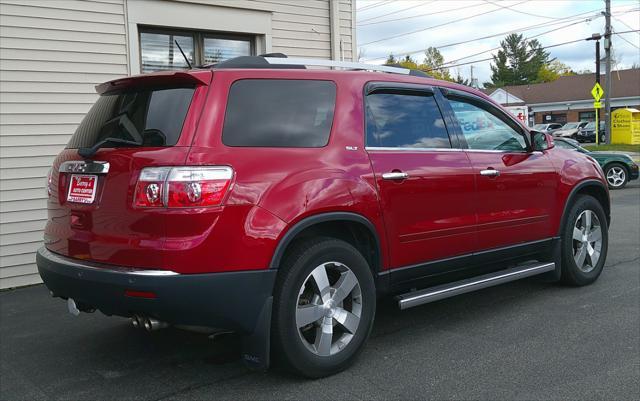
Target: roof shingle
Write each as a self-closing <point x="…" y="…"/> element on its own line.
<point x="624" y="83"/>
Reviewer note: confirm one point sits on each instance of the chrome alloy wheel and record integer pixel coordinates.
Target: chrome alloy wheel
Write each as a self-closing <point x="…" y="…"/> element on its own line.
<point x="616" y="176"/>
<point x="587" y="241"/>
<point x="328" y="309"/>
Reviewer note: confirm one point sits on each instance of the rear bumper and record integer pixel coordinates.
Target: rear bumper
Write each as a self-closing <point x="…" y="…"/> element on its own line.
<point x="232" y="300"/>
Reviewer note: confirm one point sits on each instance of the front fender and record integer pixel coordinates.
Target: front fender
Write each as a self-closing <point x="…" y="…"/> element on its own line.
<point x="577" y="173"/>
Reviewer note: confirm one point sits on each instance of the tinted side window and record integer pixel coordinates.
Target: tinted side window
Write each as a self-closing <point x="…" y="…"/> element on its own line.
<point x="279" y="113"/>
<point x="405" y="121"/>
<point x="483" y="130"/>
<point x="150" y="117"/>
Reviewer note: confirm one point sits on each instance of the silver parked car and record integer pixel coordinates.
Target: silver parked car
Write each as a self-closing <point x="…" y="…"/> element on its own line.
<point x="548" y="128"/>
<point x="570" y="130"/>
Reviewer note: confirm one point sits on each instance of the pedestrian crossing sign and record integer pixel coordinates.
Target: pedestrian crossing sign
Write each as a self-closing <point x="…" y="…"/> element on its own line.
<point x="597" y="92"/>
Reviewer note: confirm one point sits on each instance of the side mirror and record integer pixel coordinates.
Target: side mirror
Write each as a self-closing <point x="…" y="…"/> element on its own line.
<point x="541" y="141"/>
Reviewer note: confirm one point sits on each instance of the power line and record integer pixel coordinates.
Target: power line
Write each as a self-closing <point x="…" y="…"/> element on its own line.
<point x="542" y="48"/>
<point x="398" y="11"/>
<point x="491" y="58"/>
<point x="436" y="26"/>
<point x="626" y="40"/>
<point x="522" y="12"/>
<point x="623" y="23"/>
<point x="422" y="15"/>
<point x="527" y="38"/>
<point x="588" y="19"/>
<point x="579" y="16"/>
<point x="374" y="5"/>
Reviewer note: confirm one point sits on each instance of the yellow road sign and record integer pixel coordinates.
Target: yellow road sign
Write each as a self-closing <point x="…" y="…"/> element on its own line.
<point x="597" y="92"/>
<point x="597" y="105"/>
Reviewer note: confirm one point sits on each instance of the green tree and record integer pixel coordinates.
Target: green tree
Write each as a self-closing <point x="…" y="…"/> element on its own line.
<point x="391" y="60"/>
<point x="518" y="62"/>
<point x="408" y="62"/>
<point x="460" y="80"/>
<point x="433" y="59"/>
<point x="554" y="70"/>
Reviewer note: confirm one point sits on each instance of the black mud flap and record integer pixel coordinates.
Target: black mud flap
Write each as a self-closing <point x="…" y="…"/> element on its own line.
<point x="256" y="346"/>
<point x="554" y="255"/>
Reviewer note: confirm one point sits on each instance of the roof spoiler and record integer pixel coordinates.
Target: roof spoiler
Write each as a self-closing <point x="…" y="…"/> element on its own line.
<point x="155" y="79"/>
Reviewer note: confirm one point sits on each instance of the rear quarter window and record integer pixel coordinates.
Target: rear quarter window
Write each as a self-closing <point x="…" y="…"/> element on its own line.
<point x="279" y="113"/>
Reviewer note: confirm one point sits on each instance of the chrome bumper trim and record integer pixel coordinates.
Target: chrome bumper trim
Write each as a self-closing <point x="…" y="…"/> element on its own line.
<point x="104" y="268"/>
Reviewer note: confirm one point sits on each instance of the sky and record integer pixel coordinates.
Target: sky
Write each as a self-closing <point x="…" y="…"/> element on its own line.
<point x="398" y="27"/>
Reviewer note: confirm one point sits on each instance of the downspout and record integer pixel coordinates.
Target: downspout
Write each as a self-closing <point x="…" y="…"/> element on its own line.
<point x="125" y="9"/>
<point x="334" y="9"/>
<point x="354" y="43"/>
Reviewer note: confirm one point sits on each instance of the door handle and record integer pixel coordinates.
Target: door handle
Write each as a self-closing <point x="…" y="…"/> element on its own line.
<point x="395" y="175"/>
<point x="489" y="173"/>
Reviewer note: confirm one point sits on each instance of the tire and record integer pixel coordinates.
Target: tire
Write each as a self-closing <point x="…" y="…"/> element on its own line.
<point x="579" y="265"/>
<point x="301" y="318"/>
<point x="617" y="175"/>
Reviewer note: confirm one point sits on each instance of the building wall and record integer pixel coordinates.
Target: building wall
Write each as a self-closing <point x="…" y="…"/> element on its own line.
<point x="53" y="53"/>
<point x="571" y="115"/>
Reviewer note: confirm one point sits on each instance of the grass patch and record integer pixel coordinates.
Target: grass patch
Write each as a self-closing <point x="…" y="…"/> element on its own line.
<point x="614" y="146"/>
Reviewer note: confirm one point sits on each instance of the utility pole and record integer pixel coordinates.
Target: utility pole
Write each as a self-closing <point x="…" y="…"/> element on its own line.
<point x="607" y="77"/>
<point x="597" y="37"/>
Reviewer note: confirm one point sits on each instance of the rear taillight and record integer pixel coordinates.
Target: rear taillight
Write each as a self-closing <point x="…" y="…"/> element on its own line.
<point x="177" y="187"/>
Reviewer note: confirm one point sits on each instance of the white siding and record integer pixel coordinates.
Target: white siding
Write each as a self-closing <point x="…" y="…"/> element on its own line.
<point x="300" y="28"/>
<point x="52" y="54"/>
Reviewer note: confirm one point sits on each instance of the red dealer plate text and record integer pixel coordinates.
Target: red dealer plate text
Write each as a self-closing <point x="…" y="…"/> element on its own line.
<point x="82" y="188"/>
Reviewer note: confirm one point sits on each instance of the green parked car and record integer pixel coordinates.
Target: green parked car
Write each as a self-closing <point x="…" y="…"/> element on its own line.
<point x="618" y="168"/>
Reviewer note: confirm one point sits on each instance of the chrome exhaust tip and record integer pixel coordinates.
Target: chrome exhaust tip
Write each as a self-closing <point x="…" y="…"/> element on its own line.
<point x="151" y="324"/>
<point x="72" y="307"/>
<point x="134" y="322"/>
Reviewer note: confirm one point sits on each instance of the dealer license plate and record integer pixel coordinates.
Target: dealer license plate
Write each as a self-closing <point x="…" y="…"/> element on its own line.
<point x="82" y="188"/>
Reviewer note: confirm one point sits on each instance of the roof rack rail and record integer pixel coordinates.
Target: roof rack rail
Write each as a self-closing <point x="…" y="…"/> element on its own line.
<point x="280" y="60"/>
<point x="348" y="65"/>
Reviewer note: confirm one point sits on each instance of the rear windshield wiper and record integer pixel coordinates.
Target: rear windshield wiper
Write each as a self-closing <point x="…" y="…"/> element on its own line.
<point x="88" y="152"/>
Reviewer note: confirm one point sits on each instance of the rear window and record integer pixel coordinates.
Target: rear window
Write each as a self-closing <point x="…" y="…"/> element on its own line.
<point x="279" y="113"/>
<point x="149" y="117"/>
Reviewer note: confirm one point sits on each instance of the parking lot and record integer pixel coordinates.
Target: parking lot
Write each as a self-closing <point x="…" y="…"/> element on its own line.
<point x="524" y="340"/>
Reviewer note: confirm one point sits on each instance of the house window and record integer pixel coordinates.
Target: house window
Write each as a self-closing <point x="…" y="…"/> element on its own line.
<point x="587" y="116"/>
<point x="158" y="51"/>
<point x="555" y="118"/>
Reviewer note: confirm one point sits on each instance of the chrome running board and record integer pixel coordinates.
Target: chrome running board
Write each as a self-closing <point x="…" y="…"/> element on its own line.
<point x="437" y="293"/>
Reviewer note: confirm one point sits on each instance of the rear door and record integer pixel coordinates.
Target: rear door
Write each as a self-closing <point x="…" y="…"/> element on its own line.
<point x="516" y="187"/>
<point x="425" y="182"/>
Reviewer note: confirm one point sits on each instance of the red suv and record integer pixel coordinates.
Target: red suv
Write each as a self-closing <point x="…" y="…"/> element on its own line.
<point x="279" y="202"/>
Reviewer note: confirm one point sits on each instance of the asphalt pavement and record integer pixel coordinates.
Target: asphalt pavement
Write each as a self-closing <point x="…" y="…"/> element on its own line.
<point x="523" y="340"/>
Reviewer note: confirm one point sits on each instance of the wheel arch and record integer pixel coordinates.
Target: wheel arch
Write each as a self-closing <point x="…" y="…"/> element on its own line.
<point x="593" y="188"/>
<point x="351" y="227"/>
<point x="617" y="162"/>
